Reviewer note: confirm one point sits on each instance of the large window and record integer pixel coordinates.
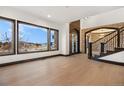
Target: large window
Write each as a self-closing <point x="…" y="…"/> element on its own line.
<point x="6" y="36"/>
<point x="32" y="38"/>
<point x="53" y="39"/>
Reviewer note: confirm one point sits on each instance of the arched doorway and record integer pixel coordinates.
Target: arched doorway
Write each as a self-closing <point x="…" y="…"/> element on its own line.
<point x="97" y="34"/>
<point x="74" y="44"/>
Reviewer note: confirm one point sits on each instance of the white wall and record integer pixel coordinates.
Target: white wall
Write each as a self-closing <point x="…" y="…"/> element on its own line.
<point x="22" y="16"/>
<point x="65" y="39"/>
<point x="111" y="17"/>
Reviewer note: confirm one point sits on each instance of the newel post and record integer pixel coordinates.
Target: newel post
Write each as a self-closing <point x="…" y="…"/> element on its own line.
<point x="102" y="48"/>
<point x="90" y="50"/>
<point x="118" y="38"/>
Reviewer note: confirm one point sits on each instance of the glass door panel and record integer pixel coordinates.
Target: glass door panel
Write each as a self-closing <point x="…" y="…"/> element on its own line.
<point x="74" y="43"/>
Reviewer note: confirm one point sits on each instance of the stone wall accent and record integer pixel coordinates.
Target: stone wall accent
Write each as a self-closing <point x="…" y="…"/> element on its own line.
<point x="83" y="31"/>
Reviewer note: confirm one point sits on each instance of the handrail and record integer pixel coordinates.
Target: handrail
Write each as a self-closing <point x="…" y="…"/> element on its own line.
<point x="110" y="39"/>
<point x="113" y="37"/>
<point x="108" y="42"/>
<point x="104" y="27"/>
<point x="103" y="37"/>
<point x="122" y="28"/>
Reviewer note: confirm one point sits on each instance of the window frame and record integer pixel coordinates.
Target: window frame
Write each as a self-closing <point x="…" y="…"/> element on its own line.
<point x="57" y="39"/>
<point x="13" y="35"/>
<point x="27" y="23"/>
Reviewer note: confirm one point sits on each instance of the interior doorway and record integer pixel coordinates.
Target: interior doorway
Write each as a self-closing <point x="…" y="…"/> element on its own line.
<point x="75" y="42"/>
<point x="97" y="35"/>
<point x="75" y="37"/>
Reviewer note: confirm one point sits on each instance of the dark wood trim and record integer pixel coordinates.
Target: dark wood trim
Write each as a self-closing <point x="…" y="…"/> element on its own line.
<point x="102" y="28"/>
<point x="106" y="54"/>
<point x="90" y="50"/>
<point x="54" y="50"/>
<point x="110" y="62"/>
<point x="13" y="35"/>
<point x="75" y="53"/>
<point x="7" y="54"/>
<point x="31" y="60"/>
<point x="102" y="48"/>
<point x="65" y="55"/>
<point x="118" y="38"/>
<point x="28" y="60"/>
<point x="33" y="52"/>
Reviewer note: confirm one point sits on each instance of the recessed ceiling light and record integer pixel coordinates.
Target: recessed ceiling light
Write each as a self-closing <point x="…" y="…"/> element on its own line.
<point x="48" y="16"/>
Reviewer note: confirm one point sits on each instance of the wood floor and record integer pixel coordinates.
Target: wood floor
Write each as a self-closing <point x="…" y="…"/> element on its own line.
<point x="72" y="70"/>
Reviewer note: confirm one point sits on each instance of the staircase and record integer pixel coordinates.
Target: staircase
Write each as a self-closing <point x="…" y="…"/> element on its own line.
<point x="110" y="44"/>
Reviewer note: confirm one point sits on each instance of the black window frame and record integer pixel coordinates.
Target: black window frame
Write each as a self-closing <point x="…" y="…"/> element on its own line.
<point x="27" y="23"/>
<point x="13" y="35"/>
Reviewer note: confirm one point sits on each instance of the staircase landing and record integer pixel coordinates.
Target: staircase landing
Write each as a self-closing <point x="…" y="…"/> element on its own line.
<point x="116" y="57"/>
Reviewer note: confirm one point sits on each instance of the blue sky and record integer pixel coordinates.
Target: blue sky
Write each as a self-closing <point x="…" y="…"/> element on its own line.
<point x="29" y="33"/>
<point x="52" y="34"/>
<point x="33" y="34"/>
<point x="5" y="27"/>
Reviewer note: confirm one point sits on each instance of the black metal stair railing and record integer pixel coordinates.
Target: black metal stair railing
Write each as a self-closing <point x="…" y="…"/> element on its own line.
<point x="111" y="44"/>
<point x="115" y="42"/>
<point x="95" y="47"/>
<point x="122" y="38"/>
<point x="106" y="44"/>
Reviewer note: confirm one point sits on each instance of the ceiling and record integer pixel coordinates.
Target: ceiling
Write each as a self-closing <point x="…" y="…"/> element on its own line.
<point x="63" y="14"/>
<point x="103" y="30"/>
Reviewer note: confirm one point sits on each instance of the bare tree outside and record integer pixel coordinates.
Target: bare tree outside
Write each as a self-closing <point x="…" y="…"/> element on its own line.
<point x="6" y="37"/>
<point x="32" y="38"/>
<point x="53" y="40"/>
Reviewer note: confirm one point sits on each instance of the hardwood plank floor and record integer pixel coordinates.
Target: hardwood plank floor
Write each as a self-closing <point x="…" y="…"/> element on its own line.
<point x="72" y="70"/>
